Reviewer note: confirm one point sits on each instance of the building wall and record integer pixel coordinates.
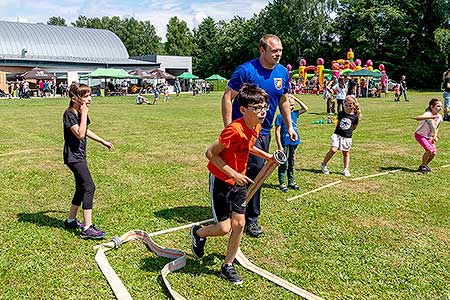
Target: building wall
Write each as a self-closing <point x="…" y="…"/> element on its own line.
<point x="174" y="63"/>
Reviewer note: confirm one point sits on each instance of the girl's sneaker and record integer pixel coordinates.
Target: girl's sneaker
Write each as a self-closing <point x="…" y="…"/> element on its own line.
<point x="92" y="233"/>
<point x="347" y="173"/>
<point x="74" y="224"/>
<point x="324" y="169"/>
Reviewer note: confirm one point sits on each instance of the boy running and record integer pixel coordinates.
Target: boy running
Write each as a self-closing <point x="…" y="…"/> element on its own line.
<point x="228" y="157"/>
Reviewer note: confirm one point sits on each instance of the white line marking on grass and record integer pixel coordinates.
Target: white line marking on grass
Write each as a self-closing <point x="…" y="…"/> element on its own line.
<point x="445" y="166"/>
<point x="375" y="175"/>
<point x="316" y="190"/>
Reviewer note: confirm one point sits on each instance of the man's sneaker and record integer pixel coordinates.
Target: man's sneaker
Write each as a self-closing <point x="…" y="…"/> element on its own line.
<point x="294" y="187"/>
<point x="324" y="169"/>
<point x="74" y="224"/>
<point x="229" y="273"/>
<point x="283" y="188"/>
<point x="198" y="243"/>
<point x="92" y="233"/>
<point x="347" y="173"/>
<point x="253" y="229"/>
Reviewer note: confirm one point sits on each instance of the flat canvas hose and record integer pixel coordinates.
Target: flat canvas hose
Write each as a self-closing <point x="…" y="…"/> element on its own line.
<point x="179" y="257"/>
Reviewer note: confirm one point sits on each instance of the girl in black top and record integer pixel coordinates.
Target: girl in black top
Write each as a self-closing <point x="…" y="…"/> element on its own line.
<point x="76" y="121"/>
<point x="342" y="137"/>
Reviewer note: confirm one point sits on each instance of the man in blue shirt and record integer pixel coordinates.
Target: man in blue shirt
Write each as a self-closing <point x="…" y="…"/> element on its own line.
<point x="268" y="74"/>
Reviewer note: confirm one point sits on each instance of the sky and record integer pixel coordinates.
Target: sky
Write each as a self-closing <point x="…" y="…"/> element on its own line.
<point x="157" y="12"/>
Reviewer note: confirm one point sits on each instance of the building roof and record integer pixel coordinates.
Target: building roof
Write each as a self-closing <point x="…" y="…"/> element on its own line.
<point x="49" y="42"/>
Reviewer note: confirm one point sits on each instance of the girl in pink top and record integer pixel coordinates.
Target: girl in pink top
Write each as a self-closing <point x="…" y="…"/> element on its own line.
<point x="427" y="132"/>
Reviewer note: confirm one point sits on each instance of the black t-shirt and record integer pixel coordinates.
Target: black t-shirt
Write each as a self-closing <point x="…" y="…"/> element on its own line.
<point x="447" y="84"/>
<point x="345" y="124"/>
<point x="74" y="148"/>
<point x="403" y="85"/>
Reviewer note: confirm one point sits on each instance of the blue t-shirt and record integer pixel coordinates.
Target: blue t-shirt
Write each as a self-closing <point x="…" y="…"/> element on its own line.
<point x="275" y="82"/>
<point x="284" y="134"/>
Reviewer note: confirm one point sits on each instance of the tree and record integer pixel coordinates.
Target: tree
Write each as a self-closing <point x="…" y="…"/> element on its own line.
<point x="179" y="38"/>
<point x="442" y="38"/>
<point x="300" y="24"/>
<point x="205" y="50"/>
<point x="56" y="21"/>
<point x="401" y="34"/>
<point x="139" y="37"/>
<point x="237" y="42"/>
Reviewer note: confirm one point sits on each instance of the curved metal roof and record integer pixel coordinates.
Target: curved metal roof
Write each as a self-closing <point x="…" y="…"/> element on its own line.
<point x="59" y="42"/>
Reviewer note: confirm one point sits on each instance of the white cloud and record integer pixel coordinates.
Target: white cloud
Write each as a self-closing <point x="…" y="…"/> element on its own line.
<point x="158" y="13"/>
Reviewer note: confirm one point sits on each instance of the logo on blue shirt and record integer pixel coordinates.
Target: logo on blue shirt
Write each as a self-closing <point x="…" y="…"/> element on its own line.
<point x="278" y="83"/>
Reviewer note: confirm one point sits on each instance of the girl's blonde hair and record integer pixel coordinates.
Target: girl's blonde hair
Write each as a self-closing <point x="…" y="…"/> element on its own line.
<point x="352" y="99"/>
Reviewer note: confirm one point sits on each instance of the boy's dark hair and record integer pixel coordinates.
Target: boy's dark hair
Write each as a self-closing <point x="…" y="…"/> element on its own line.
<point x="251" y="94"/>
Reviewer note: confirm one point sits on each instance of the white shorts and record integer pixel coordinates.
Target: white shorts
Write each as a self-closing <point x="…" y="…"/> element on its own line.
<point x="342" y="143"/>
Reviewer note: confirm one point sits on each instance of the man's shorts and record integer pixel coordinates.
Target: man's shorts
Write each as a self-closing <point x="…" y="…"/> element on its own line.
<point x="226" y="198"/>
<point x="426" y="143"/>
<point x="342" y="143"/>
<point x="446" y="96"/>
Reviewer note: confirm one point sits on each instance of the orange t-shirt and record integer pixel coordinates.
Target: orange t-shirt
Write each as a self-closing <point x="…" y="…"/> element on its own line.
<point x="237" y="139"/>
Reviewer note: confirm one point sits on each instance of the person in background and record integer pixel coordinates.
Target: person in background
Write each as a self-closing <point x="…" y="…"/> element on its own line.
<point x="289" y="147"/>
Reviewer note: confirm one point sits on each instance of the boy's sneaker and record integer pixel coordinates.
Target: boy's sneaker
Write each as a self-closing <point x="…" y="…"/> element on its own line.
<point x="197" y="243"/>
<point x="74" y="224"/>
<point x="229" y="273"/>
<point x="324" y="169"/>
<point x="283" y="188"/>
<point x="294" y="187"/>
<point x="92" y="233"/>
<point x="346" y="173"/>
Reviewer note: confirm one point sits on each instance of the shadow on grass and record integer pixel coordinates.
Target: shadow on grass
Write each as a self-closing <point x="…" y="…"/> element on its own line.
<point x="403" y="169"/>
<point x="315" y="171"/>
<point x="185" y="214"/>
<point x="42" y="219"/>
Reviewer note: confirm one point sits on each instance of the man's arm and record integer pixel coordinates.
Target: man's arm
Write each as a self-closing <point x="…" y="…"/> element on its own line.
<point x="227" y="100"/>
<point x="285" y="109"/>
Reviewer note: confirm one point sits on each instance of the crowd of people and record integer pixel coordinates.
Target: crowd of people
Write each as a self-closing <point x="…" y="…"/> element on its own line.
<point x="23" y="89"/>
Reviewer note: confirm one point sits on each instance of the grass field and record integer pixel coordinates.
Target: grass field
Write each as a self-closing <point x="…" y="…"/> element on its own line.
<point x="385" y="237"/>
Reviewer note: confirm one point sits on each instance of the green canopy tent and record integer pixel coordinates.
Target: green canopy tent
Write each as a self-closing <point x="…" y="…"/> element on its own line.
<point x="365" y="73"/>
<point x="215" y="77"/>
<point x="187" y="75"/>
<point x="109" y="73"/>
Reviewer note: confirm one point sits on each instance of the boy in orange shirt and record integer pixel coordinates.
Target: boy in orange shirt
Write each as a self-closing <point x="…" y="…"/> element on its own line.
<point x="228" y="157"/>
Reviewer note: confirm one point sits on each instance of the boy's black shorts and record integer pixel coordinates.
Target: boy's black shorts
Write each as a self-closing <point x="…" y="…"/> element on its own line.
<point x="226" y="198"/>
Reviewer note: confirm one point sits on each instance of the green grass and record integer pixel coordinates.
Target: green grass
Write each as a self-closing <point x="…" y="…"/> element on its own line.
<point x="385" y="237"/>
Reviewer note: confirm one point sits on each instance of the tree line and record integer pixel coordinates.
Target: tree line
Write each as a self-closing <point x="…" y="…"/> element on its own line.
<point x="410" y="37"/>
